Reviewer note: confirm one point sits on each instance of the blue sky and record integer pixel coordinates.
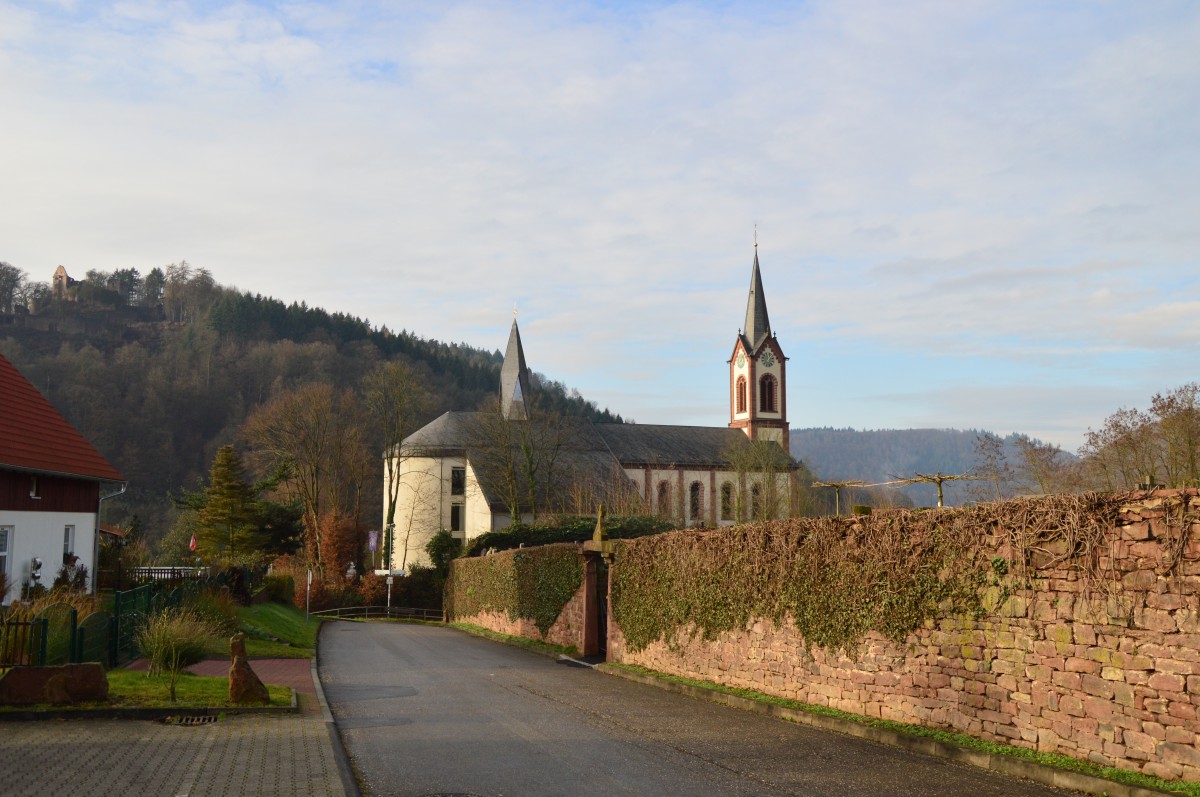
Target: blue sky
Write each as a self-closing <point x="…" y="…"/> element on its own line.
<point x="970" y="214"/>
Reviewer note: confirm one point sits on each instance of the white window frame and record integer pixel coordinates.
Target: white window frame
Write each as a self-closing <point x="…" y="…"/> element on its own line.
<point x="68" y="541"/>
<point x="6" y="545"/>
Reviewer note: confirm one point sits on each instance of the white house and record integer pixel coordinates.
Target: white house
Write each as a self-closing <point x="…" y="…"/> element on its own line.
<point x="462" y="471"/>
<point x="51" y="483"/>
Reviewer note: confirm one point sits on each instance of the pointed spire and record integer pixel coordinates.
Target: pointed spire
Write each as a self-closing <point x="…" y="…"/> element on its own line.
<point x="758" y="326"/>
<point x="514" y="379"/>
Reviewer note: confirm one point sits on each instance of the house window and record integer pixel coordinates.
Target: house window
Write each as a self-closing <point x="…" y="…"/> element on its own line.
<point x="727" y="501"/>
<point x="741" y="394"/>
<point x="664" y="498"/>
<point x="695" y="501"/>
<point x="6" y="535"/>
<point x="35" y="490"/>
<point x="766" y="394"/>
<point x="68" y="541"/>
<point x="458" y="481"/>
<point x="756" y="502"/>
<point x="456" y="517"/>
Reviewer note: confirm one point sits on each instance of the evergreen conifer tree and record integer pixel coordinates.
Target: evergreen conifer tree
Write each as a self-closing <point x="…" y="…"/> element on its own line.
<point x="230" y="522"/>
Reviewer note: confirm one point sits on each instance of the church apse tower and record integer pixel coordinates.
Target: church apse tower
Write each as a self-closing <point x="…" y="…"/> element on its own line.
<point x="758" y="373"/>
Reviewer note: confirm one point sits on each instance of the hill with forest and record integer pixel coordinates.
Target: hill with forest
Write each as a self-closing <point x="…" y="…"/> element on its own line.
<point x="884" y="455"/>
<point x="161" y="370"/>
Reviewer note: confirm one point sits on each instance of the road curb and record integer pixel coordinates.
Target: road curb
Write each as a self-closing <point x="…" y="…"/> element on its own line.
<point x="345" y="771"/>
<point x="1014" y="767"/>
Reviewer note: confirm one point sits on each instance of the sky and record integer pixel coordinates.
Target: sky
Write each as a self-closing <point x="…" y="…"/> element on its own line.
<point x="977" y="215"/>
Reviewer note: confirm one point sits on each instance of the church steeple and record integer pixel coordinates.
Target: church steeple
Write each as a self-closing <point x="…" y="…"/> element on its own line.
<point x="758" y="372"/>
<point x="514" y="379"/>
<point x="758" y="325"/>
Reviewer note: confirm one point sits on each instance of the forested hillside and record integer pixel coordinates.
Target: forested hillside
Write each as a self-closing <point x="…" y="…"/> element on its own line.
<point x="883" y="455"/>
<point x="160" y="371"/>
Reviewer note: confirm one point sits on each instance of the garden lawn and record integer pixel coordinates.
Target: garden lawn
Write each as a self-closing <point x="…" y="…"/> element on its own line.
<point x="128" y="689"/>
<point x="273" y="631"/>
<point x="132" y="689"/>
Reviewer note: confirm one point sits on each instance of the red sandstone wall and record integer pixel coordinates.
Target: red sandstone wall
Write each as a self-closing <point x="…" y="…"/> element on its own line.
<point x="1115" y="680"/>
<point x="567" y="630"/>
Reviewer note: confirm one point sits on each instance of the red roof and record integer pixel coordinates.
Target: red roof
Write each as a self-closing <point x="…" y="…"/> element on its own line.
<point x="34" y="436"/>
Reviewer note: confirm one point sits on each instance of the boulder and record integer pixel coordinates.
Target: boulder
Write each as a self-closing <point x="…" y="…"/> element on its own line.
<point x="245" y="688"/>
<point x="62" y="685"/>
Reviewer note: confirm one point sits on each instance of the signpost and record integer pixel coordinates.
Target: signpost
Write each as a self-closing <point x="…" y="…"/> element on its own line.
<point x="389" y="599"/>
<point x="307" y="594"/>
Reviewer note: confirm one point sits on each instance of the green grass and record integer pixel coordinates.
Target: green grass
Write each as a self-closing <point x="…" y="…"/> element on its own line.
<point x="273" y="631"/>
<point x="1191" y="789"/>
<point x="515" y="641"/>
<point x="285" y="623"/>
<point x="130" y="689"/>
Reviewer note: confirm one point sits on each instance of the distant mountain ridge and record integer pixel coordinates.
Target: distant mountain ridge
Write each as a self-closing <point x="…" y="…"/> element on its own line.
<point x="881" y="455"/>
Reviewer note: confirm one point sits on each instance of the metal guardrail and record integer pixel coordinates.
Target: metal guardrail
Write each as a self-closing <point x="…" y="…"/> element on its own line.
<point x="388" y="612"/>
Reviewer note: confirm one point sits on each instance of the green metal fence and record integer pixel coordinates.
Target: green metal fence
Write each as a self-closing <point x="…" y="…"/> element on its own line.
<point x="57" y="635"/>
<point x="130" y="610"/>
<point x="23" y="642"/>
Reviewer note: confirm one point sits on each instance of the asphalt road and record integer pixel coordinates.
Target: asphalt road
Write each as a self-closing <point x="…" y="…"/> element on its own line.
<point x="425" y="710"/>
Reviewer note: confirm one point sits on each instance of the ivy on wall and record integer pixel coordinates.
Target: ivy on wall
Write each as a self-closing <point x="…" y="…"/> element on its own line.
<point x="530" y="583"/>
<point x="837" y="579"/>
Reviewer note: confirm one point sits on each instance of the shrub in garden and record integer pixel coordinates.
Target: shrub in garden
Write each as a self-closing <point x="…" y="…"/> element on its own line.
<point x="173" y="639"/>
<point x="214" y="606"/>
<point x="372" y="589"/>
<point x="279" y="588"/>
<point x="71" y="577"/>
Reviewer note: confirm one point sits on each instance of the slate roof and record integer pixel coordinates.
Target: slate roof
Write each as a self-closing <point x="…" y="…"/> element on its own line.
<point x="514" y="378"/>
<point x="35" y="437"/>
<point x="758" y="325"/>
<point x="681" y="446"/>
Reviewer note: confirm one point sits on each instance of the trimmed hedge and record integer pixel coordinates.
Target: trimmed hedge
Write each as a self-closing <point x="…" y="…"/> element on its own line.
<point x="530" y="583"/>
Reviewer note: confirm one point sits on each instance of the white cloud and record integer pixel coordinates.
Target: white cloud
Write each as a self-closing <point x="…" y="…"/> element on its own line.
<point x="1002" y="187"/>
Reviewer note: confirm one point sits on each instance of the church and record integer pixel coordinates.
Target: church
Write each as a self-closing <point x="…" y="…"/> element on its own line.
<point x="475" y="472"/>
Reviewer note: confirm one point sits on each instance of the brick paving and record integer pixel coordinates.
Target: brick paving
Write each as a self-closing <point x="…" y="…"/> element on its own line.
<point x="245" y="755"/>
<point x="249" y="754"/>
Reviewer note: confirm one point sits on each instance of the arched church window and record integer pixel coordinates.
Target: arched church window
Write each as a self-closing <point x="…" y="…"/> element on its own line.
<point x="664" y="498"/>
<point x="696" y="501"/>
<point x="727" y="501"/>
<point x="756" y="503"/>
<point x="741" y="394"/>
<point x="766" y="394"/>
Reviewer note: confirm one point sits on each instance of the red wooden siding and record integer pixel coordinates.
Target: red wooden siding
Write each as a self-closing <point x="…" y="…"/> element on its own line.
<point x="58" y="494"/>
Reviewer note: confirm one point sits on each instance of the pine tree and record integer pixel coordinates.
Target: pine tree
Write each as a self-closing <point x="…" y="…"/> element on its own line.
<point x="230" y="527"/>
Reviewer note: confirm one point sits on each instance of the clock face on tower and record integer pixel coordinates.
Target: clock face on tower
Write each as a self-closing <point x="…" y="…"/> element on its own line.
<point x="741" y="359"/>
<point x="767" y="359"/>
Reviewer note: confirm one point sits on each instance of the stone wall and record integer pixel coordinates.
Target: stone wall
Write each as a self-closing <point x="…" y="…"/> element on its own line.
<point x="1104" y="669"/>
<point x="568" y="630"/>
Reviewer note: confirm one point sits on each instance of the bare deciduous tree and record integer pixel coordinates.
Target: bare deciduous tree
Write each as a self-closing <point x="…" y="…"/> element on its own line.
<point x="314" y="435"/>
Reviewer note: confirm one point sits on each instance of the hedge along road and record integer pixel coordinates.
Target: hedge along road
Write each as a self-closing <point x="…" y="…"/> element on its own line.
<point x="427" y="710"/>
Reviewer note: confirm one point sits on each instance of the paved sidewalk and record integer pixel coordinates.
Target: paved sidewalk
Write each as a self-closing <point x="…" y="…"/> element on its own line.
<point x="245" y="755"/>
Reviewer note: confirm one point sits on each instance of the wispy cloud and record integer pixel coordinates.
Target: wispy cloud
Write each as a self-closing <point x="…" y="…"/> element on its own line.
<point x="1010" y="189"/>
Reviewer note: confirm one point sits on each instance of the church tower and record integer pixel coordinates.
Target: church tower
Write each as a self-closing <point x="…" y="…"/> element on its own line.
<point x="758" y="373"/>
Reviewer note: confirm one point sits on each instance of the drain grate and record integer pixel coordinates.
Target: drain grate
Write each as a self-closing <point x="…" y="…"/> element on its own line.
<point x="189" y="721"/>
